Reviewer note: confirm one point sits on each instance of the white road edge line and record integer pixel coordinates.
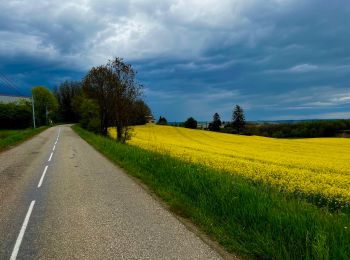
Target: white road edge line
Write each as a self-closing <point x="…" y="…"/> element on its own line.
<point x="42" y="176"/>
<point x="50" y="156"/>
<point x="53" y="149"/>
<point x="21" y="233"/>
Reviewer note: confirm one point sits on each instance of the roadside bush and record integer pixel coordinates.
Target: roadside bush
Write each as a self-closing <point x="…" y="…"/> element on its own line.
<point x="89" y="113"/>
<point x="15" y="115"/>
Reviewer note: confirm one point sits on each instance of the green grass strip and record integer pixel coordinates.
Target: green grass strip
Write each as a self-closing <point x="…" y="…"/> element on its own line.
<point x="10" y="138"/>
<point x="252" y="220"/>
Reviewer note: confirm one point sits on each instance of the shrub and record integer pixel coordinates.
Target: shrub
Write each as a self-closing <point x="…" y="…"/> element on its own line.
<point x="191" y="123"/>
<point x="162" y="121"/>
<point x="89" y="112"/>
<point x="15" y="115"/>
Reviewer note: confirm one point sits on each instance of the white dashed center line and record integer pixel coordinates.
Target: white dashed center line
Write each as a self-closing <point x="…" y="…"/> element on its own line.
<point x="50" y="156"/>
<point x="21" y="233"/>
<point x="42" y="176"/>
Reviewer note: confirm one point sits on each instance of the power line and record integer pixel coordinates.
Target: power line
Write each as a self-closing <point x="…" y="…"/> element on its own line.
<point x="7" y="79"/>
<point x="6" y="82"/>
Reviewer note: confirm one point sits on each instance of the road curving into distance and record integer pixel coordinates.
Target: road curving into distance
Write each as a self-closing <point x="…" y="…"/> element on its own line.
<point x="61" y="199"/>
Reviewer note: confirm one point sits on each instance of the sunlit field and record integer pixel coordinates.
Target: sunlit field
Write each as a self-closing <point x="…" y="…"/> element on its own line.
<point x="319" y="167"/>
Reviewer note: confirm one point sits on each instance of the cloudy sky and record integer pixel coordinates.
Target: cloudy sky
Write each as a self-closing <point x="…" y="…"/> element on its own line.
<point x="279" y="59"/>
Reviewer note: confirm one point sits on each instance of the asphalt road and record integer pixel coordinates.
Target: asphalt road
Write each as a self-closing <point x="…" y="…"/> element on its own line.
<point x="82" y="207"/>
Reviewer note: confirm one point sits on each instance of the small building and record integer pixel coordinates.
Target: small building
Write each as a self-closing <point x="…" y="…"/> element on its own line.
<point x="150" y="119"/>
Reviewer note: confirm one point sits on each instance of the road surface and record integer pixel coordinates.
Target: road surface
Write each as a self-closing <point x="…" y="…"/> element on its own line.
<point x="60" y="199"/>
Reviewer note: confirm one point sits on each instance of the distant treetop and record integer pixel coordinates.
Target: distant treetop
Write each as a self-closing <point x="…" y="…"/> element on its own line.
<point x="162" y="121"/>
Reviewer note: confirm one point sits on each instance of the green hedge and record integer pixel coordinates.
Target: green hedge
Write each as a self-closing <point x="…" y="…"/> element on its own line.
<point x="15" y="115"/>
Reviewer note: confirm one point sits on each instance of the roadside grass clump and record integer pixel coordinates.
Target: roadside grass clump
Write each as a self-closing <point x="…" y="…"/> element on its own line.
<point x="252" y="219"/>
<point x="9" y="138"/>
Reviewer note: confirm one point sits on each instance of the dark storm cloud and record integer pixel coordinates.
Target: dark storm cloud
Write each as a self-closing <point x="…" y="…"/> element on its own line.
<point x="280" y="59"/>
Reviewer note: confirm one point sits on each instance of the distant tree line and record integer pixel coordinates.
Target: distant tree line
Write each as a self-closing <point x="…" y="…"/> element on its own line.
<point x="68" y="97"/>
<point x="308" y="129"/>
<point x="108" y="96"/>
<point x="299" y="129"/>
<point x="238" y="125"/>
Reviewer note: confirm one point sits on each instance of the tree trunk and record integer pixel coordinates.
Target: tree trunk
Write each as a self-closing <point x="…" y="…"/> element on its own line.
<point x="119" y="133"/>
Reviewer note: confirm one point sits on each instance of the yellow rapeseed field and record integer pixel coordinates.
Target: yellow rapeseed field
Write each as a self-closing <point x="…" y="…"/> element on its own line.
<point x="317" y="166"/>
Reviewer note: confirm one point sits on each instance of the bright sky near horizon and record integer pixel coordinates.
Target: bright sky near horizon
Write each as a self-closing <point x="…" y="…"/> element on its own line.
<point x="278" y="59"/>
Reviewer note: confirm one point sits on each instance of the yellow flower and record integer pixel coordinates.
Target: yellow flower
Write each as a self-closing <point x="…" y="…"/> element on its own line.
<point x="311" y="166"/>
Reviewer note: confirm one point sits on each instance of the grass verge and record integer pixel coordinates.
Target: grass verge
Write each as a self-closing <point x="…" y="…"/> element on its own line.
<point x="9" y="138"/>
<point x="253" y="220"/>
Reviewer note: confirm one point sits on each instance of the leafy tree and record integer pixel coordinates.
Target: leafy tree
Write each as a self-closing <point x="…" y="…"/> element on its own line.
<point x="89" y="115"/>
<point x="98" y="85"/>
<point x="115" y="89"/>
<point x="140" y="113"/>
<point x="162" y="121"/>
<point x="238" y="119"/>
<point x="65" y="95"/>
<point x="191" y="123"/>
<point x="216" y="123"/>
<point x="127" y="92"/>
<point x="45" y="105"/>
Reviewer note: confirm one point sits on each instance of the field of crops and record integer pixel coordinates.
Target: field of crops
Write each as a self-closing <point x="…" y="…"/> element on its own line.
<point x="319" y="167"/>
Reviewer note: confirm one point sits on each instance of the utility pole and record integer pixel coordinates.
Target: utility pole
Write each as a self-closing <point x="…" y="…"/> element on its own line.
<point x="33" y="110"/>
<point x="46" y="115"/>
